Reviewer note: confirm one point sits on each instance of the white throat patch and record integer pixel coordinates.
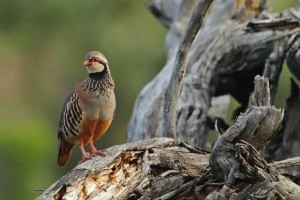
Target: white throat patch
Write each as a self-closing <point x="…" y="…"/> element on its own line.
<point x="95" y="67"/>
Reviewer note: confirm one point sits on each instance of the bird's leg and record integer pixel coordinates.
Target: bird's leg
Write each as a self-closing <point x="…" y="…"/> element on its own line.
<point x="84" y="155"/>
<point x="94" y="151"/>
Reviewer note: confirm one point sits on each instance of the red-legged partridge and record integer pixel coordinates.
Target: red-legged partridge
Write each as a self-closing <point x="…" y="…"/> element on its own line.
<point x="88" y="111"/>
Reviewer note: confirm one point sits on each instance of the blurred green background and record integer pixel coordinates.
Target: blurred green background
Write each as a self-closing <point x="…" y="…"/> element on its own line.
<point x="43" y="44"/>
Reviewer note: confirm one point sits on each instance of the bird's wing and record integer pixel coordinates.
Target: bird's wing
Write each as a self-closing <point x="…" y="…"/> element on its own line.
<point x="70" y="118"/>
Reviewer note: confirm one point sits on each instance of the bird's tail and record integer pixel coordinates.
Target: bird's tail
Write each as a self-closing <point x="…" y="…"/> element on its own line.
<point x="64" y="152"/>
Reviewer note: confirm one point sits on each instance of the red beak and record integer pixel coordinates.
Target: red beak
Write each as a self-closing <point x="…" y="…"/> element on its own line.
<point x="86" y="63"/>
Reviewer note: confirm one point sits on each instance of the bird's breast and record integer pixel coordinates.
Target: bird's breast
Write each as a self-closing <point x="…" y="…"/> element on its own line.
<point x="100" y="105"/>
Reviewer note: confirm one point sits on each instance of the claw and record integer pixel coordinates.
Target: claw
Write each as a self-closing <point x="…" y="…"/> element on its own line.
<point x="95" y="152"/>
<point x="98" y="152"/>
<point x="85" y="158"/>
<point x="84" y="155"/>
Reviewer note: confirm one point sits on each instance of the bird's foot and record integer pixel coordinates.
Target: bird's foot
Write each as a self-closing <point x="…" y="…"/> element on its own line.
<point x="98" y="152"/>
<point x="85" y="158"/>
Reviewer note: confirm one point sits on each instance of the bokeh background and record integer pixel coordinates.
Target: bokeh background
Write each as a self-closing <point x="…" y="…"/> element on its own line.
<point x="42" y="46"/>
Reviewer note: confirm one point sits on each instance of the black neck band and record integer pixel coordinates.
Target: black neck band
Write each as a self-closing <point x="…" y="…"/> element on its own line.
<point x="98" y="75"/>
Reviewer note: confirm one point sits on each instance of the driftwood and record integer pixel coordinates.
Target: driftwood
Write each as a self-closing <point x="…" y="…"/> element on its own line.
<point x="235" y="44"/>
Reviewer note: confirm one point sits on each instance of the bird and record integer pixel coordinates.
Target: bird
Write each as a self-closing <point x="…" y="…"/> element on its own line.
<point x="88" y="111"/>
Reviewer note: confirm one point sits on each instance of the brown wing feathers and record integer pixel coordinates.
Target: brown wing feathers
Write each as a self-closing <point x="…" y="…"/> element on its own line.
<point x="71" y="117"/>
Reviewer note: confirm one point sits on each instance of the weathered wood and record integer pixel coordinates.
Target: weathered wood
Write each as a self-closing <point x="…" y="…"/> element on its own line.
<point x="283" y="164"/>
<point x="234" y="160"/>
<point x="259" y="179"/>
<point x="256" y="126"/>
<point x="141" y="170"/>
<point x="224" y="58"/>
<point x="164" y="168"/>
<point x="293" y="56"/>
<point x="269" y="190"/>
<point x="273" y="66"/>
<point x="170" y="11"/>
<point x="224" y="194"/>
<point x="151" y="116"/>
<point x="176" y="81"/>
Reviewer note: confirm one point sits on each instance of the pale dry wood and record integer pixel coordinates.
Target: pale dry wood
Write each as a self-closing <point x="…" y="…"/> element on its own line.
<point x="165" y="11"/>
<point x="290" y="162"/>
<point x="224" y="194"/>
<point x="179" y="70"/>
<point x="141" y="170"/>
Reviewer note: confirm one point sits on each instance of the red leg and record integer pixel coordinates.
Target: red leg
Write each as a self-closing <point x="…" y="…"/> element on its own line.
<point x="95" y="152"/>
<point x="84" y="156"/>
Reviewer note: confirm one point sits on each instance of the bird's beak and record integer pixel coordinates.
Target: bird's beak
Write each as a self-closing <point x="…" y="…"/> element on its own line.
<point x="86" y="63"/>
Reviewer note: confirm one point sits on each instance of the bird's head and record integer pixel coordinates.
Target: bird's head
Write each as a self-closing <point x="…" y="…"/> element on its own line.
<point x="95" y="62"/>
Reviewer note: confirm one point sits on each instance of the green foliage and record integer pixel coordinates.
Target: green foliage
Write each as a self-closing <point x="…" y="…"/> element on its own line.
<point x="42" y="47"/>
